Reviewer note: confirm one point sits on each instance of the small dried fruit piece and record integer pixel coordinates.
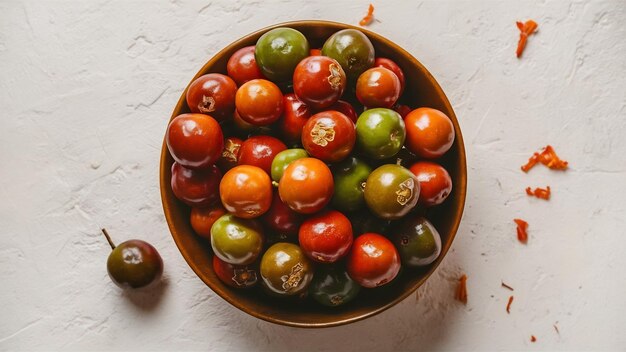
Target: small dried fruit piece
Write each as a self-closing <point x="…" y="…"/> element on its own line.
<point x="507" y="286"/>
<point x="542" y="193"/>
<point x="522" y="225"/>
<point x="508" y="305"/>
<point x="461" y="290"/>
<point x="367" y="20"/>
<point x="527" y="28"/>
<point x="547" y="157"/>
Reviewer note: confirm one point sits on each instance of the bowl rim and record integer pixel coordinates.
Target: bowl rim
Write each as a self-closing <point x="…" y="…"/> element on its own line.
<point x="457" y="215"/>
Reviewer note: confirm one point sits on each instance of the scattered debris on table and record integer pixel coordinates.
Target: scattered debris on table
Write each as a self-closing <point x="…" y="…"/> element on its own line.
<point x="533" y="338"/>
<point x="541" y="193"/>
<point x="522" y="226"/>
<point x="508" y="305"/>
<point x="507" y="286"/>
<point x="461" y="290"/>
<point x="367" y="20"/>
<point x="527" y="28"/>
<point x="547" y="157"/>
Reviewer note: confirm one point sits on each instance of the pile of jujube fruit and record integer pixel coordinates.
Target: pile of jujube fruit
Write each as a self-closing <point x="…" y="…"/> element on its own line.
<point x="303" y="170"/>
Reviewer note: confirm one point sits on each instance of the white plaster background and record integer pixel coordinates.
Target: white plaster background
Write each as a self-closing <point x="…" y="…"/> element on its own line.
<point x="88" y="86"/>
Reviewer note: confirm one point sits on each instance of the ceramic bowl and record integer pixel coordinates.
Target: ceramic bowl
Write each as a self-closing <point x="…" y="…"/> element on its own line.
<point x="421" y="91"/>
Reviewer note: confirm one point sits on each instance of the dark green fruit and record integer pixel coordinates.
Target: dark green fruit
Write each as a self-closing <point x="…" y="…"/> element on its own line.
<point x="352" y="49"/>
<point x="418" y="242"/>
<point x="332" y="286"/>
<point x="134" y="263"/>
<point x="235" y="240"/>
<point x="283" y="159"/>
<point x="278" y="51"/>
<point x="380" y="133"/>
<point x="285" y="269"/>
<point x="350" y="176"/>
<point x="391" y="191"/>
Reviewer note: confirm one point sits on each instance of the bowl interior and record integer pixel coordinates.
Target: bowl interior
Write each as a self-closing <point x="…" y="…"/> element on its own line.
<point x="421" y="90"/>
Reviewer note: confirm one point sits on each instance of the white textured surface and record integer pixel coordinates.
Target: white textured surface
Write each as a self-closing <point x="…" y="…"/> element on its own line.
<point x="87" y="88"/>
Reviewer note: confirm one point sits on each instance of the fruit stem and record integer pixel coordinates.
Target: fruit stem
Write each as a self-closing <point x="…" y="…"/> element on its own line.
<point x="106" y="234"/>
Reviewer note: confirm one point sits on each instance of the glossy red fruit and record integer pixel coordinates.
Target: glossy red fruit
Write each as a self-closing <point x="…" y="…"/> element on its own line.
<point x="329" y="136"/>
<point x="295" y="115"/>
<point x="391" y="65"/>
<point x="429" y="132"/>
<point x="198" y="188"/>
<point x="260" y="151"/>
<point x="326" y="237"/>
<point x="306" y="186"/>
<point x="345" y="108"/>
<point x="242" y="67"/>
<point x="319" y="81"/>
<point x="230" y="154"/>
<point x="194" y="140"/>
<point x="259" y="102"/>
<point x="403" y="110"/>
<point x="435" y="182"/>
<point x="246" y="191"/>
<point x="378" y="87"/>
<point x="373" y="260"/>
<point x="237" y="276"/>
<point x="281" y="219"/>
<point x="315" y="52"/>
<point x="203" y="218"/>
<point x="212" y="94"/>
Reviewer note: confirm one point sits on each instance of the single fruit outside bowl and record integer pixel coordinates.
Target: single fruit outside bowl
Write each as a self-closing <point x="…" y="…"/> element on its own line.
<point x="421" y="90"/>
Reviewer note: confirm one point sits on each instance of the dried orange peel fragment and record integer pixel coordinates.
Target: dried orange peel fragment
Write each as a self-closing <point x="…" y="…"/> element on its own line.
<point x="522" y="235"/>
<point x="547" y="157"/>
<point x="461" y="290"/>
<point x="527" y="28"/>
<point x="508" y="305"/>
<point x="541" y="193"/>
<point x="367" y="20"/>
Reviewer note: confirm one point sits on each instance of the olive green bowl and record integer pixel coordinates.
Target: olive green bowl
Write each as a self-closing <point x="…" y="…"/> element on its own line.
<point x="421" y="90"/>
